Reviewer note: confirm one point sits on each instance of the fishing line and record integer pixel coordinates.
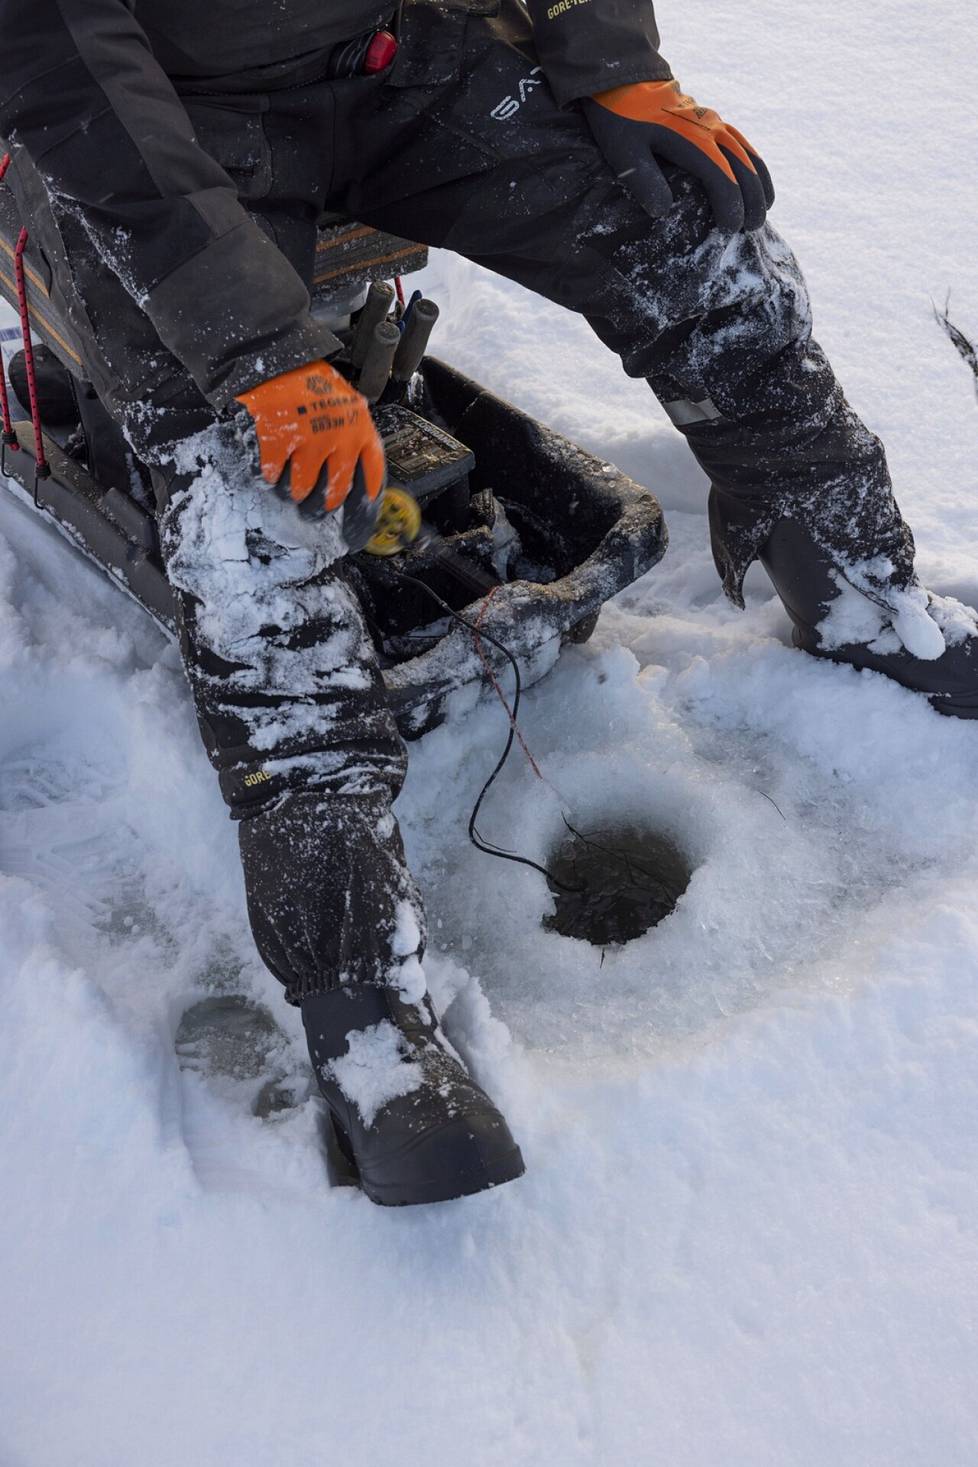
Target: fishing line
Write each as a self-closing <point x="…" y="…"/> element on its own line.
<point x="489" y="848"/>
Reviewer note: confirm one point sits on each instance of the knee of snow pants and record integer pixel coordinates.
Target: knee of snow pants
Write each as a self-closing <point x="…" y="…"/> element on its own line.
<point x="724" y="337"/>
<point x="288" y="690"/>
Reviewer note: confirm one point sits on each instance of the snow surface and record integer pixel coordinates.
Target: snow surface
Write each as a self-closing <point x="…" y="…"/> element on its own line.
<point x="748" y="1234"/>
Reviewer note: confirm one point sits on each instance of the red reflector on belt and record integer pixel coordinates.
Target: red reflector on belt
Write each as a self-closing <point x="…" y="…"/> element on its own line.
<point x="380" y="53"/>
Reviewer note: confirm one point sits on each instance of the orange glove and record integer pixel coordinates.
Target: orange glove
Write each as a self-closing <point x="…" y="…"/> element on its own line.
<point x="311" y="422"/>
<point x="636" y="124"/>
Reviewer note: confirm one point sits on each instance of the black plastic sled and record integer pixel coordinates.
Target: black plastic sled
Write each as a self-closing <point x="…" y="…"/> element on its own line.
<point x="551" y="531"/>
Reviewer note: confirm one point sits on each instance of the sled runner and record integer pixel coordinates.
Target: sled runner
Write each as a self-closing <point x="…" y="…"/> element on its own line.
<point x="525" y="532"/>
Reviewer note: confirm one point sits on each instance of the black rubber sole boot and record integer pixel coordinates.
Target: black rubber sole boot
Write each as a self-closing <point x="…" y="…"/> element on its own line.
<point x="408" y="1124"/>
<point x="805" y="580"/>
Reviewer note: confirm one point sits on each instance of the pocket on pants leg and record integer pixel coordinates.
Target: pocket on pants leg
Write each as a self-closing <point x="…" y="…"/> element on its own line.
<point x="232" y="131"/>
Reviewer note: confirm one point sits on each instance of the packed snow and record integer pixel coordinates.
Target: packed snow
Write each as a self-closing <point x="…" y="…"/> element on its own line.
<point x="748" y="1233"/>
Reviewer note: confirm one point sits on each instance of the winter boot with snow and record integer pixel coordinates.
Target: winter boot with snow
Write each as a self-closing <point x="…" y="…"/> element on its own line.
<point x="927" y="643"/>
<point x="410" y="1124"/>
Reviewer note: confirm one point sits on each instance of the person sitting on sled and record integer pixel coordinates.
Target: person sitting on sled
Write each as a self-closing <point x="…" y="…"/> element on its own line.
<point x="174" y="160"/>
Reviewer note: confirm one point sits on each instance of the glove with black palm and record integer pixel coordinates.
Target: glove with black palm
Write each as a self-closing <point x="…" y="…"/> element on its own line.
<point x="318" y="446"/>
<point x="638" y="124"/>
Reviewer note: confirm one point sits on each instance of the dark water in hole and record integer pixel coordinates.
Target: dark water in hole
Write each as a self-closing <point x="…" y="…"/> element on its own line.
<point x="625" y="880"/>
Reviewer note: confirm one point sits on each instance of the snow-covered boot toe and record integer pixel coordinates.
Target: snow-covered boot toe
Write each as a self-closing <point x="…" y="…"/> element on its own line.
<point x="927" y="643"/>
<point x="411" y="1124"/>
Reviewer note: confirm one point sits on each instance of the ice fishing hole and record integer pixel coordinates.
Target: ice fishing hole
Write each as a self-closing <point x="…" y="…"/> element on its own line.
<point x="612" y="883"/>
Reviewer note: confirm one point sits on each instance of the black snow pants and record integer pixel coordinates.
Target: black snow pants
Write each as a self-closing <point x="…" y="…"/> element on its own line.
<point x="459" y="144"/>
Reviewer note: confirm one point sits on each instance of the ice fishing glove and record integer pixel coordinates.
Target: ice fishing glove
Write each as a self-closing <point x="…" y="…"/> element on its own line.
<point x="638" y="124"/>
<point x="315" y="433"/>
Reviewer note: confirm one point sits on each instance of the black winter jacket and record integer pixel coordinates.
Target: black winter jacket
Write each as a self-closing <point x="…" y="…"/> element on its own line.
<point x="84" y="83"/>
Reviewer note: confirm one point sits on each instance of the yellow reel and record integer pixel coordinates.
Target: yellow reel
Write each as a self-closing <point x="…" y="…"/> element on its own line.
<point x="398" y="525"/>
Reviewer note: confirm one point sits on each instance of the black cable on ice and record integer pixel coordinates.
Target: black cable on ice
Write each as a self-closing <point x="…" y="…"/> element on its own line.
<point x="478" y="840"/>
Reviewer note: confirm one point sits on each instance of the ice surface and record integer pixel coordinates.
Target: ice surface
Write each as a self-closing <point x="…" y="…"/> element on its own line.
<point x="748" y="1234"/>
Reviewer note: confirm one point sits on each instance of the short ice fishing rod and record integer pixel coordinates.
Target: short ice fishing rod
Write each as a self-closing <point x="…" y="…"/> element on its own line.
<point x="401" y="524"/>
